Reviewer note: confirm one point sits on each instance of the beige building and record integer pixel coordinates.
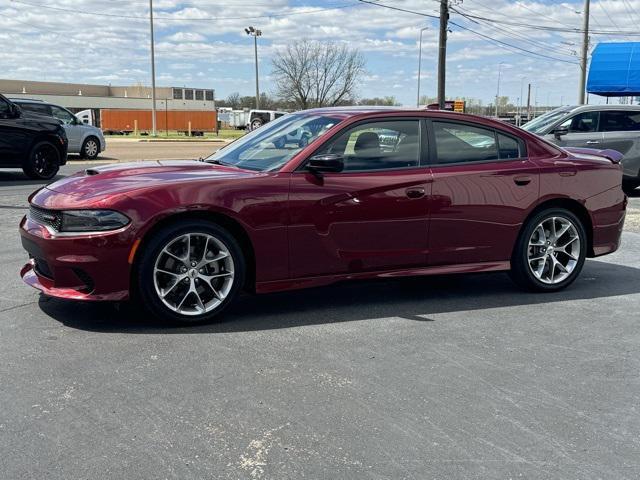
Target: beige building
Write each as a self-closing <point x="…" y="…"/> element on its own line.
<point x="80" y="96"/>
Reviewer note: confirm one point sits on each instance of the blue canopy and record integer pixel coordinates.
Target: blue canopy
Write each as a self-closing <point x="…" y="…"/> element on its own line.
<point x="615" y="70"/>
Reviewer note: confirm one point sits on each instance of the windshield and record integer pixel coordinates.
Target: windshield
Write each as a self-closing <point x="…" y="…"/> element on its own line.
<point x="270" y="147"/>
<point x="539" y="125"/>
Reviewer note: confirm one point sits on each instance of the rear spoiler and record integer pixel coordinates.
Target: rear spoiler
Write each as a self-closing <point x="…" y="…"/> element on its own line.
<point x="612" y="155"/>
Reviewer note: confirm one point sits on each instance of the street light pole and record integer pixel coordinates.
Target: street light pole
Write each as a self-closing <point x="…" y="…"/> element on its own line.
<point x="498" y="90"/>
<point x="255" y="33"/>
<point x="420" y="65"/>
<point x="153" y="74"/>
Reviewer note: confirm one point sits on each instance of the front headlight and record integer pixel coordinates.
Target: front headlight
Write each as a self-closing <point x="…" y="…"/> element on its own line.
<point x="92" y="220"/>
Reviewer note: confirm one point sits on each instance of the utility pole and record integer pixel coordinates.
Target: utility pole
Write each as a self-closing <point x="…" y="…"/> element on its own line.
<point x="442" y="51"/>
<point x="420" y="65"/>
<point x="153" y="74"/>
<point x="529" y="104"/>
<point x="585" y="52"/>
<point x="255" y="33"/>
<point x="498" y="90"/>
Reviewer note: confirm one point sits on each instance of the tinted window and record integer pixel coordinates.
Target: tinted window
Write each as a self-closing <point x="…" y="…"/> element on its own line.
<point x="62" y="114"/>
<point x="36" y="108"/>
<point x="585" y="122"/>
<point x="619" y="121"/>
<point x="5" y="109"/>
<point x="379" y="145"/>
<point x="509" y="147"/>
<point x="456" y="142"/>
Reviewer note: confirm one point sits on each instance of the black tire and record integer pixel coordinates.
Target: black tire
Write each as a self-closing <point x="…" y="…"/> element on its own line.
<point x="146" y="285"/>
<point x="256" y="123"/>
<point x="629" y="186"/>
<point x="90" y="148"/>
<point x="523" y="275"/>
<point x="43" y="162"/>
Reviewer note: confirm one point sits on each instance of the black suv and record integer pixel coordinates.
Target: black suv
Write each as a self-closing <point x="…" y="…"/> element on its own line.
<point x="35" y="143"/>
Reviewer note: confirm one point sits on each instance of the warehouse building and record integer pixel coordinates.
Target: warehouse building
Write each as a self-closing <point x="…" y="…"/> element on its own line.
<point x="78" y="96"/>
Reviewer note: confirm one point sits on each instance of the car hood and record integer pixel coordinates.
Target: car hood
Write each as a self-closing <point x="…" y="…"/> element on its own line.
<point x="99" y="183"/>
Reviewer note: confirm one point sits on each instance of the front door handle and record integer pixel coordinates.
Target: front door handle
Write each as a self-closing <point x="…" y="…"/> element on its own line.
<point x="593" y="142"/>
<point x="522" y="181"/>
<point x="415" y="192"/>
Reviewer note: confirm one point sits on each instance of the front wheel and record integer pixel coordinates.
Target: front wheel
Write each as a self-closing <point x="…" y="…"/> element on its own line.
<point x="43" y="162"/>
<point x="90" y="148"/>
<point x="550" y="252"/>
<point x="190" y="272"/>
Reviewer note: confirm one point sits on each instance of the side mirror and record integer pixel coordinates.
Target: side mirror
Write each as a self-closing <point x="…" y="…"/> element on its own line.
<point x="328" y="162"/>
<point x="560" y="131"/>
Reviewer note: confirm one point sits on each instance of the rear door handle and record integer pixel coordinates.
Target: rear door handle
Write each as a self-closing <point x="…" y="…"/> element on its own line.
<point x="415" y="192"/>
<point x="593" y="142"/>
<point x="522" y="181"/>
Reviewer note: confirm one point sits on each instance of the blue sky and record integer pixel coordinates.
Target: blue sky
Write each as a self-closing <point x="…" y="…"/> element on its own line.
<point x="202" y="43"/>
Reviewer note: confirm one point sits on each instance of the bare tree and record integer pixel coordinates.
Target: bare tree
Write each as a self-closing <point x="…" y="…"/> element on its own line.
<point x="313" y="74"/>
<point x="233" y="100"/>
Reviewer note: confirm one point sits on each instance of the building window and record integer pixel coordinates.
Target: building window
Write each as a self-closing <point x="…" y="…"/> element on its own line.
<point x="199" y="94"/>
<point x="188" y="94"/>
<point x="209" y="95"/>
<point x="177" y="94"/>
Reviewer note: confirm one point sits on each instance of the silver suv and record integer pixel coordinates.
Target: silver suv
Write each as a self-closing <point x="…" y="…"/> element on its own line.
<point x="615" y="127"/>
<point x="84" y="140"/>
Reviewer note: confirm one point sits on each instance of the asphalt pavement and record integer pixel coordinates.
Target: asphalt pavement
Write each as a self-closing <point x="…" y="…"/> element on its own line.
<point x="441" y="377"/>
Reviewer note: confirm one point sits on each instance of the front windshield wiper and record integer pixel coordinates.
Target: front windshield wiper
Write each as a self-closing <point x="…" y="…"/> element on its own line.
<point x="214" y="162"/>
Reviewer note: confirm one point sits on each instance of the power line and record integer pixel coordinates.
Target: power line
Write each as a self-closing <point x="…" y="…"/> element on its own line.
<point x="199" y="19"/>
<point x="486" y="37"/>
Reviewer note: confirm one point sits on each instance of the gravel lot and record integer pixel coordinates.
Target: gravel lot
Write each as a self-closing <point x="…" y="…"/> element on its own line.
<point x="456" y="377"/>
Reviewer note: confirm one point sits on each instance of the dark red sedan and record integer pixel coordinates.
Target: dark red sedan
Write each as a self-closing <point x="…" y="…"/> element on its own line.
<point x="368" y="193"/>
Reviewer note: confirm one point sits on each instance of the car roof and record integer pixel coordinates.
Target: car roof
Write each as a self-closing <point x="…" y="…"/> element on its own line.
<point x="27" y="100"/>
<point x="592" y="108"/>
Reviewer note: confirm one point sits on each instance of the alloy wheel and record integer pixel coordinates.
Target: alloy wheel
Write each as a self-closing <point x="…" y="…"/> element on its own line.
<point x="91" y="148"/>
<point x="554" y="250"/>
<point x="45" y="160"/>
<point x="193" y="274"/>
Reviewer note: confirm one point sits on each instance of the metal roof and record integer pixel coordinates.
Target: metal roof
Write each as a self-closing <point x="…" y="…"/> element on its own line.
<point x="615" y="70"/>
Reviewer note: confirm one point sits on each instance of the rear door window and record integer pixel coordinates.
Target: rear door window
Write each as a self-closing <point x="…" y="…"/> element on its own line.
<point x="457" y="143"/>
<point x="620" y="121"/>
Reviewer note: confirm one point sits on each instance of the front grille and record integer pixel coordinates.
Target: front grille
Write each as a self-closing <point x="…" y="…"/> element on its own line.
<point x="50" y="218"/>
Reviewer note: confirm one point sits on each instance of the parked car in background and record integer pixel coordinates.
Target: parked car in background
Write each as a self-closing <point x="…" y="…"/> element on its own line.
<point x="615" y="127"/>
<point x="35" y="143"/>
<point x="84" y="140"/>
<point x="251" y="119"/>
<point x="444" y="193"/>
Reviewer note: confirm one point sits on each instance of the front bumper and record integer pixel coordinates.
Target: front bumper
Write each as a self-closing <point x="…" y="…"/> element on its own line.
<point x="92" y="267"/>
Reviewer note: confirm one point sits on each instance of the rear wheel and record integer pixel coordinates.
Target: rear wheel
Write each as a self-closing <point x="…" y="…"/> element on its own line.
<point x="550" y="252"/>
<point x="90" y="148"/>
<point x="190" y="272"/>
<point x="43" y="162"/>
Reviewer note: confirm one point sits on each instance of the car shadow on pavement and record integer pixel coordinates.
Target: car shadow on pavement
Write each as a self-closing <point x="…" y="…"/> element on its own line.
<point x="415" y="299"/>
